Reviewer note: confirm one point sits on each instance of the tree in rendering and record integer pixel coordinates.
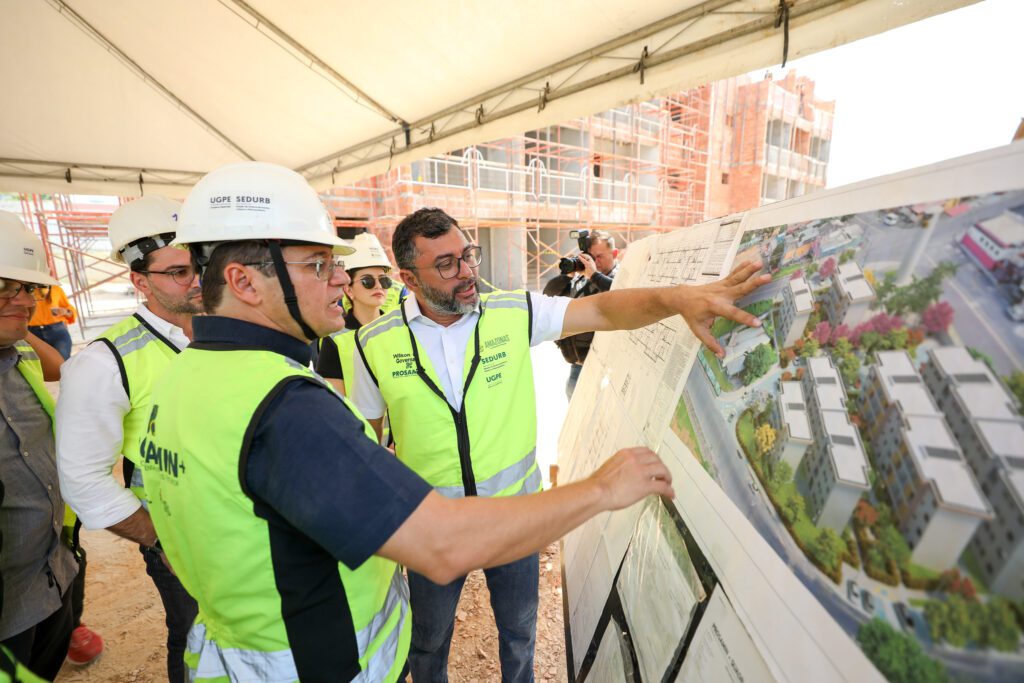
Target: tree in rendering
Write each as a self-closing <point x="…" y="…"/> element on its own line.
<point x="822" y="333"/>
<point x="937" y="317"/>
<point x="1015" y="383"/>
<point x="953" y="582"/>
<point x="758" y="362"/>
<point x="811" y="347"/>
<point x="828" y="547"/>
<point x="894" y="545"/>
<point x="999" y="628"/>
<point x="898" y="657"/>
<point x="865" y="513"/>
<point x="782" y="472"/>
<point x="916" y="296"/>
<point x="795" y="508"/>
<point x="827" y="268"/>
<point x="765" y="438"/>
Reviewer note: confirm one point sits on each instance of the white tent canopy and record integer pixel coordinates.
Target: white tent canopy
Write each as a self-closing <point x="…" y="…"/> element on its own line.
<point x="127" y="96"/>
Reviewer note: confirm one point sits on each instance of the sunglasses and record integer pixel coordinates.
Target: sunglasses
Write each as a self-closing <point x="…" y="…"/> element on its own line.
<point x="12" y="288"/>
<point x="368" y="281"/>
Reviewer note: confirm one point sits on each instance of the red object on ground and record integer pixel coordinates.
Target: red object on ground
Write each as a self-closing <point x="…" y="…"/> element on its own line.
<point x="86" y="646"/>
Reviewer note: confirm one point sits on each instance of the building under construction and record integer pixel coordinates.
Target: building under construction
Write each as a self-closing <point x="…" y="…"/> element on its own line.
<point x="630" y="170"/>
<point x="648" y="167"/>
<point x="641" y="168"/>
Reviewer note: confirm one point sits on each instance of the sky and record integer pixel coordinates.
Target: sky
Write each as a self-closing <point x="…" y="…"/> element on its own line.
<point x="932" y="90"/>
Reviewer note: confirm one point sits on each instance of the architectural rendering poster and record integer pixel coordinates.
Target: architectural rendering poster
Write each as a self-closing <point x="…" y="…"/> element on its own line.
<point x="868" y="435"/>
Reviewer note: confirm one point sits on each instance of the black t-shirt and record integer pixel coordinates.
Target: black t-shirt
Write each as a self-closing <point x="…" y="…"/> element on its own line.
<point x="328" y="362"/>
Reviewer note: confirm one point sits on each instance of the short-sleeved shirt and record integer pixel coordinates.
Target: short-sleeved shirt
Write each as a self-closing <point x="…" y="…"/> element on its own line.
<point x="36" y="566"/>
<point x="325" y="483"/>
<point x="446" y="347"/>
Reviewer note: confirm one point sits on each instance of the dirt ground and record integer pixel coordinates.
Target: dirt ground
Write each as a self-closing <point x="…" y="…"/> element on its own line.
<point x="122" y="605"/>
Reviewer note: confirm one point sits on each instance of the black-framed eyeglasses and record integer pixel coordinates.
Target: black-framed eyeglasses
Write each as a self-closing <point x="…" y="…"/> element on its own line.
<point x="182" y="275"/>
<point x="324" y="268"/>
<point x="368" y="281"/>
<point x="12" y="288"/>
<point x="449" y="266"/>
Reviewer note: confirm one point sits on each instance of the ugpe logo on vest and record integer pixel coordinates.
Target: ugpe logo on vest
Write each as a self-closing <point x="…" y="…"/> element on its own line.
<point x="153" y="456"/>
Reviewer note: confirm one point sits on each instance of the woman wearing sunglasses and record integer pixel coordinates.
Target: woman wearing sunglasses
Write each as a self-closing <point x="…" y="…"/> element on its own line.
<point x="367" y="294"/>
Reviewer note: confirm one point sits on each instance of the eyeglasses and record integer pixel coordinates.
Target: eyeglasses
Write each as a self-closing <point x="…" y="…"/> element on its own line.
<point x="368" y="281"/>
<point x="449" y="266"/>
<point x="325" y="268"/>
<point x="182" y="275"/>
<point x="12" y="288"/>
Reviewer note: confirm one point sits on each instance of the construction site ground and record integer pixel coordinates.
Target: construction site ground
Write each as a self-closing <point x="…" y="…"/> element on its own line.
<point x="122" y="605"/>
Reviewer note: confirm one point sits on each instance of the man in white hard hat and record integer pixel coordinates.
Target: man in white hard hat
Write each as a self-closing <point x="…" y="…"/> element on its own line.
<point x="105" y="394"/>
<point x="275" y="505"/>
<point x="37" y="565"/>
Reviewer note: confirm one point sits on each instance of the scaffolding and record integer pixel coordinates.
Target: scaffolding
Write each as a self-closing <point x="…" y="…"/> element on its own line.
<point x="632" y="171"/>
<point x="76" y="246"/>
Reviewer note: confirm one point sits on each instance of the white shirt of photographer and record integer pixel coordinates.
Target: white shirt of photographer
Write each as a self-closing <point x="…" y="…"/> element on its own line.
<point x="446" y="348"/>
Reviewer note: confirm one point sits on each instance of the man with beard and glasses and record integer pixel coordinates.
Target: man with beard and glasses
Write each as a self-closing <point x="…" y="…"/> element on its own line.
<point x="452" y="368"/>
<point x="105" y="398"/>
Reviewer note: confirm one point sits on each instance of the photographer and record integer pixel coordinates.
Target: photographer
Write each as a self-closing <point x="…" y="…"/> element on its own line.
<point x="592" y="273"/>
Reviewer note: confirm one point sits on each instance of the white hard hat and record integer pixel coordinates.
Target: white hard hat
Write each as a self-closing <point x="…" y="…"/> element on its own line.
<point x="21" y="253"/>
<point x="369" y="253"/>
<point x="254" y="200"/>
<point x="152" y="218"/>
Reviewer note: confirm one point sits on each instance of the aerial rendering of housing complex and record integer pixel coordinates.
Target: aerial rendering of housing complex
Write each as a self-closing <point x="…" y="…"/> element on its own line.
<point x="883" y="391"/>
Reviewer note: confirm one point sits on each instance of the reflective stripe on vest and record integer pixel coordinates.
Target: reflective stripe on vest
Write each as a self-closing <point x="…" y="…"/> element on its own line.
<point x="224" y="552"/>
<point x="207" y="661"/>
<point x="502" y="480"/>
<point x="143" y="356"/>
<point x="486" y="446"/>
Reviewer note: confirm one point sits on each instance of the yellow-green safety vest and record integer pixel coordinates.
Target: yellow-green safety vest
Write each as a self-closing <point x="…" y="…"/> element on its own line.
<point x="31" y="369"/>
<point x="345" y="341"/>
<point x="142" y="355"/>
<point x="195" y="445"/>
<point x="13" y="671"/>
<point x="486" y="447"/>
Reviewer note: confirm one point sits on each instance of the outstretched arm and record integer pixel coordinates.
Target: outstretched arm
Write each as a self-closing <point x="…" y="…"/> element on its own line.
<point x="628" y="309"/>
<point x="445" y="538"/>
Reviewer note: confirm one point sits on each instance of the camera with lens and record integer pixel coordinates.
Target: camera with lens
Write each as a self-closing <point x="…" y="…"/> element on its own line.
<point x="567" y="265"/>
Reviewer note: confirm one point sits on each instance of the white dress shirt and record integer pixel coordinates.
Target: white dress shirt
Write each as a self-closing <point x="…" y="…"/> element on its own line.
<point x="89" y="425"/>
<point x="446" y="348"/>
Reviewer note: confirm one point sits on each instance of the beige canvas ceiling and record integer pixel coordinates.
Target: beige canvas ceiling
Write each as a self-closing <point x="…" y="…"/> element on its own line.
<point x="98" y="93"/>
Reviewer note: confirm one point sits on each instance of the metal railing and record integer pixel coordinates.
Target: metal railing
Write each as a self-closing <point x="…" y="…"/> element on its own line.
<point x="533" y="182"/>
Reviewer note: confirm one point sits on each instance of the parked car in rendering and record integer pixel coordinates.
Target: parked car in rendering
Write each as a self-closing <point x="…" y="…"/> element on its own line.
<point x="867" y="602"/>
<point x="852" y="592"/>
<point x="905" y="616"/>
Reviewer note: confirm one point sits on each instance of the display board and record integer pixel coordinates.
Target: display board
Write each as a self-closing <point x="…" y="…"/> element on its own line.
<point x="849" y="477"/>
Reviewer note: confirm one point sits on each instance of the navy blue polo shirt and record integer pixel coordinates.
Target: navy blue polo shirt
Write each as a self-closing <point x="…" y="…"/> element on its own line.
<point x="311" y="465"/>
